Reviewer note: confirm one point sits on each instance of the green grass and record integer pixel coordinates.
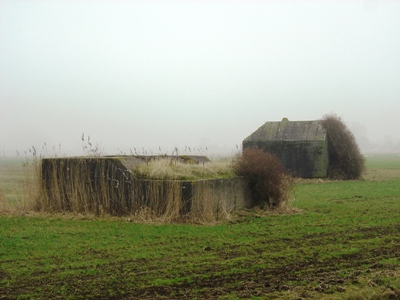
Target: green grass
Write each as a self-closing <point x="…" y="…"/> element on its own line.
<point x="344" y="244"/>
<point x="383" y="161"/>
<point x="12" y="178"/>
<point x="16" y="178"/>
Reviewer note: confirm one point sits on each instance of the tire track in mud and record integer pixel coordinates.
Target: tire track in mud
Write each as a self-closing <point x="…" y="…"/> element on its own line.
<point x="299" y="274"/>
<point x="319" y="273"/>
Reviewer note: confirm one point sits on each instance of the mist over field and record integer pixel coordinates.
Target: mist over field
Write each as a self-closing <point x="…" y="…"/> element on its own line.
<point x="198" y="76"/>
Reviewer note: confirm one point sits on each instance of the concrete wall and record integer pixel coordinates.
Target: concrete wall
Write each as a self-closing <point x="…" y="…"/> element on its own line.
<point x="223" y="194"/>
<point x="306" y="159"/>
<point x="105" y="185"/>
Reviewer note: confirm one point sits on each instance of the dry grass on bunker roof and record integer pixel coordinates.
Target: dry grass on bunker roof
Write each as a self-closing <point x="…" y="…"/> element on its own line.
<point x="171" y="169"/>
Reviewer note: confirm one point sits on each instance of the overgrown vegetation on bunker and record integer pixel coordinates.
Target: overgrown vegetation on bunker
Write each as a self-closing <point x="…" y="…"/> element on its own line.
<point x="172" y="169"/>
<point x="345" y="158"/>
<point x="163" y="189"/>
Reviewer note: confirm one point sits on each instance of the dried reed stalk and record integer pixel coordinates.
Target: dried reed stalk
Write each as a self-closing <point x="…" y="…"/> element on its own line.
<point x="99" y="187"/>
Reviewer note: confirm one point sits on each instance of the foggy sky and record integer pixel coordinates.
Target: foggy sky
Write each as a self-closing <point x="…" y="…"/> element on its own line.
<point x="163" y="74"/>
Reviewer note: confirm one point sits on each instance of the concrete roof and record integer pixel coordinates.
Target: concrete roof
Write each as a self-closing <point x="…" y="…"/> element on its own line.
<point x="286" y="130"/>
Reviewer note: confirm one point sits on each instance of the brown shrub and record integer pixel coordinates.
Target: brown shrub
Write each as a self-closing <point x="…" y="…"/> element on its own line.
<point x="345" y="158"/>
<point x="269" y="184"/>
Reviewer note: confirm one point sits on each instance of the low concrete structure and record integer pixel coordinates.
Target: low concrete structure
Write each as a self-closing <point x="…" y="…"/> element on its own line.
<point x="102" y="185"/>
<point x="301" y="146"/>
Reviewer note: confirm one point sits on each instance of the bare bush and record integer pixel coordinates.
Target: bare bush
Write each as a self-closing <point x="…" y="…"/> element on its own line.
<point x="345" y="158"/>
<point x="269" y="184"/>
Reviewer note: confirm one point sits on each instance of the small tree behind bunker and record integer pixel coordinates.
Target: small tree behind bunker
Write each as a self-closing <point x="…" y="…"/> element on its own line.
<point x="345" y="158"/>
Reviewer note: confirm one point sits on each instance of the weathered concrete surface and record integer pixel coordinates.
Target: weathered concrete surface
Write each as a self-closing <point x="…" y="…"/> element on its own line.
<point x="101" y="185"/>
<point x="226" y="194"/>
<point x="301" y="146"/>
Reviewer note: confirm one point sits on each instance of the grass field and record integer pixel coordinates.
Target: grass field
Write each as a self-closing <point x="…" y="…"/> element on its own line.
<point x="344" y="244"/>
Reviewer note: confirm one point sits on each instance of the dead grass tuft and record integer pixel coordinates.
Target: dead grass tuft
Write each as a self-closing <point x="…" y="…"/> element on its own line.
<point x="172" y="169"/>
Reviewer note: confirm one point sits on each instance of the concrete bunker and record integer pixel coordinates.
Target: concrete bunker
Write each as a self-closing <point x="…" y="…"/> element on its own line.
<point x="106" y="185"/>
<point x="301" y="146"/>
